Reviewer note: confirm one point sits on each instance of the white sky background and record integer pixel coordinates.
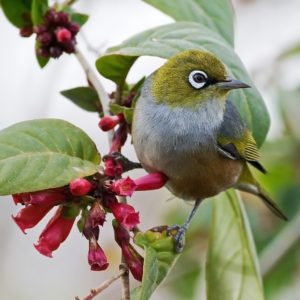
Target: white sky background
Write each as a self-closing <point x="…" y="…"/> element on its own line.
<point x="263" y="29"/>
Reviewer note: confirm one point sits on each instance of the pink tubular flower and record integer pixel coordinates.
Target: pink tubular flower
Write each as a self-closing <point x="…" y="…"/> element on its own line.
<point x="125" y="214"/>
<point x="45" y="197"/>
<point x="133" y="260"/>
<point x="55" y="232"/>
<point x="80" y="187"/>
<point x="152" y="181"/>
<point x="96" y="256"/>
<point x="112" y="168"/>
<point x="124" y="187"/>
<point x="122" y="236"/>
<point x="31" y="215"/>
<point x="109" y="122"/>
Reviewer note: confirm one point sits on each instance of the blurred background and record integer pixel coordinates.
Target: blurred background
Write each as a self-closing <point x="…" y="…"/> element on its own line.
<point x="268" y="42"/>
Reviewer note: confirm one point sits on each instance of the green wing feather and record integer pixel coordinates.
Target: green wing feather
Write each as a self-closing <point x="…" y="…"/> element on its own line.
<point x="233" y="131"/>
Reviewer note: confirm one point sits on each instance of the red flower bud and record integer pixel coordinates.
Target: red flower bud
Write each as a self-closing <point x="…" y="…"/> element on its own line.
<point x="26" y="31"/>
<point x="109" y="122"/>
<point x="73" y="27"/>
<point x="119" y="138"/>
<point x="96" y="256"/>
<point x="55" y="52"/>
<point x="97" y="215"/>
<point x="134" y="261"/>
<point x="63" y="35"/>
<point x="43" y="52"/>
<point x="112" y="168"/>
<point x="50" y="197"/>
<point x="80" y="187"/>
<point x="31" y="215"/>
<point x="121" y="234"/>
<point x="124" y="187"/>
<point x="125" y="214"/>
<point x="150" y="181"/>
<point x="44" y="38"/>
<point x="55" y="232"/>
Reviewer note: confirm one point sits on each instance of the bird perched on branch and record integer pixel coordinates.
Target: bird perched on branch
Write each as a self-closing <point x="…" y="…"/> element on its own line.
<point x="185" y="127"/>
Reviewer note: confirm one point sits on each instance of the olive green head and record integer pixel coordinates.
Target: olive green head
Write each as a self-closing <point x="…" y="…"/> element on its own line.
<point x="191" y="77"/>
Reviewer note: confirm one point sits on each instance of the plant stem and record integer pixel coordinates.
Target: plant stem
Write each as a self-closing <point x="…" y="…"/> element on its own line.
<point x="280" y="245"/>
<point x="125" y="281"/>
<point x="94" y="292"/>
<point x="68" y="3"/>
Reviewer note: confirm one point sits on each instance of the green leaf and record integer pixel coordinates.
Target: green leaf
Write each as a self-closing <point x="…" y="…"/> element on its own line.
<point x="41" y="154"/>
<point x="216" y="15"/>
<point x="38" y="11"/>
<point x="290" y="52"/>
<point x="116" y="69"/>
<point x="127" y="111"/>
<point x="167" y="40"/>
<point x="79" y="18"/>
<point x="85" y="97"/>
<point x="231" y="267"/>
<point x="42" y="61"/>
<point x="159" y="259"/>
<point x="18" y="12"/>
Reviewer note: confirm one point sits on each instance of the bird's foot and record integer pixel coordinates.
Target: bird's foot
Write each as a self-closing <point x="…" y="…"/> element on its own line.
<point x="178" y="233"/>
<point x="127" y="164"/>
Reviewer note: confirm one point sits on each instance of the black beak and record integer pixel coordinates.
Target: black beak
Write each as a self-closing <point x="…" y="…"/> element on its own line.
<point x="231" y="83"/>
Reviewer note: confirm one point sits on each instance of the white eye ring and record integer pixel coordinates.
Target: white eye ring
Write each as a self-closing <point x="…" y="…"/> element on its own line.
<point x="197" y="84"/>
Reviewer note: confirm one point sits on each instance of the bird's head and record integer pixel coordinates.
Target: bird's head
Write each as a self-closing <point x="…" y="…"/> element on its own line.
<point x="192" y="77"/>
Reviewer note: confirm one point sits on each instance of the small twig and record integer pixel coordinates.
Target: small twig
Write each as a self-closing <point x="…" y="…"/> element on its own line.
<point x="125" y="281"/>
<point x="68" y="3"/>
<point x="89" y="46"/>
<point x="95" y="81"/>
<point x="94" y="292"/>
<point x="280" y="246"/>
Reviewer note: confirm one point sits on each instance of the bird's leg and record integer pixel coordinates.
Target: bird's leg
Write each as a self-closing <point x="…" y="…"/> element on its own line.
<point x="127" y="164"/>
<point x="181" y="230"/>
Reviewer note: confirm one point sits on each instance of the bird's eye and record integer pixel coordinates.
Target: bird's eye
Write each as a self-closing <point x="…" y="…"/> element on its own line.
<point x="197" y="79"/>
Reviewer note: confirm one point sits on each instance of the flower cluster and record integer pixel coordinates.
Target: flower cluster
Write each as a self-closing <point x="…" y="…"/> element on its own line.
<point x="92" y="199"/>
<point x="55" y="35"/>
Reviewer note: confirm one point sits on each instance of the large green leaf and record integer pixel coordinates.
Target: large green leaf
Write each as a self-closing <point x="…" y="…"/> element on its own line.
<point x="42" y="154"/>
<point x="231" y="267"/>
<point x="217" y="14"/>
<point x="167" y="40"/>
<point x="17" y="11"/>
<point x="159" y="259"/>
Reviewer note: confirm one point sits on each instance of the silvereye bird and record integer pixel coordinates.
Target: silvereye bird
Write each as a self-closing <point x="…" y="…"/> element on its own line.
<point x="185" y="127"/>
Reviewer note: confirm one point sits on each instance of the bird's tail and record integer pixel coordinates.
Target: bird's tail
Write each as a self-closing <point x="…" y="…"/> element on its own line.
<point x="248" y="184"/>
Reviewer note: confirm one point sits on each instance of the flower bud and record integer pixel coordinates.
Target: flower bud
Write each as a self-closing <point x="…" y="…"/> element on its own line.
<point x="109" y="122"/>
<point x="96" y="256"/>
<point x="63" y="35"/>
<point x="73" y="27"/>
<point x="80" y="187"/>
<point x="26" y="31"/>
<point x="123" y="187"/>
<point x="31" y="215"/>
<point x="55" y="52"/>
<point x="134" y="261"/>
<point x="125" y="214"/>
<point x="44" y="38"/>
<point x="55" y="232"/>
<point x="97" y="215"/>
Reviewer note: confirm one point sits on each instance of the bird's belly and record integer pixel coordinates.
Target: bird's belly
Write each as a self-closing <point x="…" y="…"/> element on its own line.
<point x="192" y="174"/>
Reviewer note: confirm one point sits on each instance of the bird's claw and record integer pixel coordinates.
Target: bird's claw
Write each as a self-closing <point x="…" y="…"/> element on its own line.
<point x="127" y="165"/>
<point x="179" y="237"/>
